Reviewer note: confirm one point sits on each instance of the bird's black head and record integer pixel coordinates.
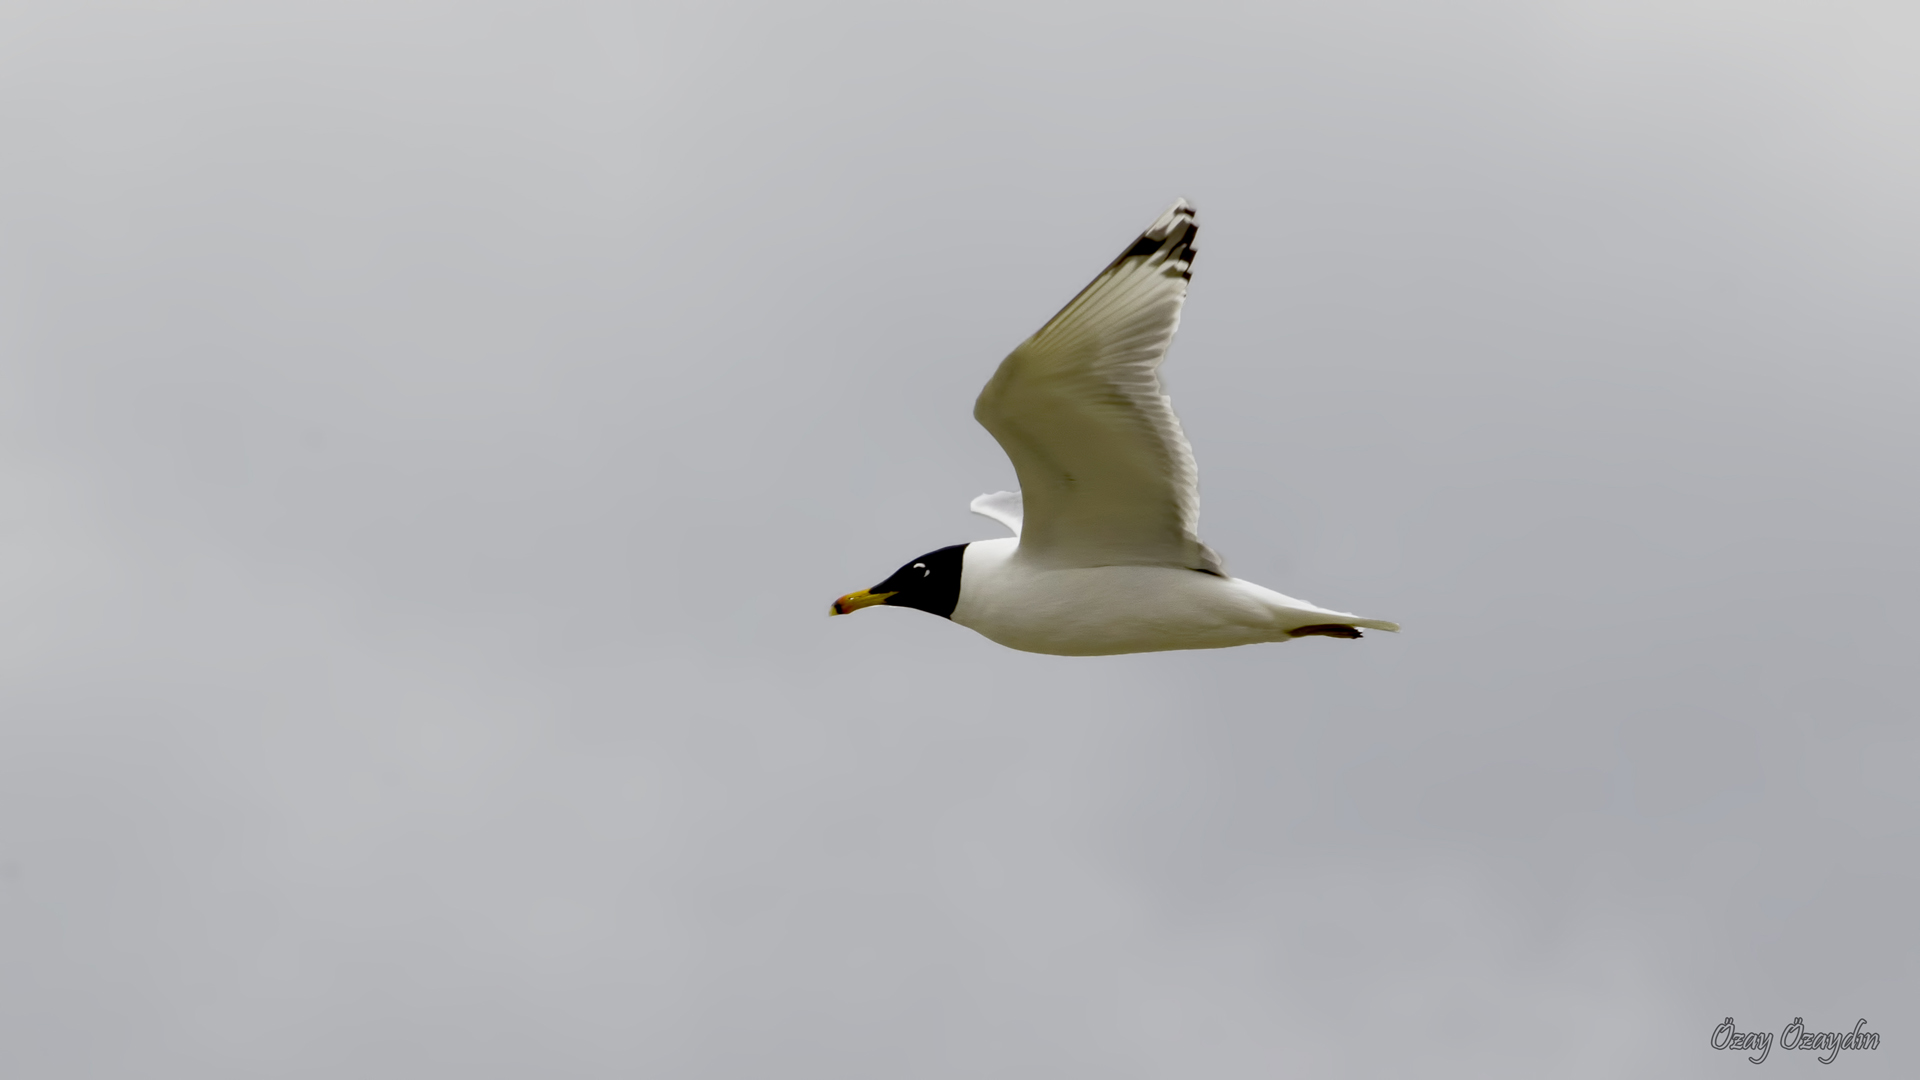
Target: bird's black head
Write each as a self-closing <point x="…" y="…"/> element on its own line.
<point x="930" y="583"/>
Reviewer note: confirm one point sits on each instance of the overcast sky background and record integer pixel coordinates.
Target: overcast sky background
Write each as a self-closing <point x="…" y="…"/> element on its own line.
<point x="431" y="435"/>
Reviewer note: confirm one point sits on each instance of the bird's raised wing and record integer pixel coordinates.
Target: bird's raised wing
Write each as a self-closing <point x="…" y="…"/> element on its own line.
<point x="1105" y="471"/>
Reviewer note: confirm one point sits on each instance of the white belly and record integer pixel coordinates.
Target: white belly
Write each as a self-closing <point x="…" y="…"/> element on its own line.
<point x="1101" y="610"/>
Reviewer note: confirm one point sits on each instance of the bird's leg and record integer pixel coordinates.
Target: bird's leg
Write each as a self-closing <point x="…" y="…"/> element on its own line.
<point x="1327" y="630"/>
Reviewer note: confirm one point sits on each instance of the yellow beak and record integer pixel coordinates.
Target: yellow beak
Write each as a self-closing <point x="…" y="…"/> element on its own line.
<point x="854" y="601"/>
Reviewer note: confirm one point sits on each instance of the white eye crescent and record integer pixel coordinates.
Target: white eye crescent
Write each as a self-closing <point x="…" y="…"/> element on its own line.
<point x="922" y="567"/>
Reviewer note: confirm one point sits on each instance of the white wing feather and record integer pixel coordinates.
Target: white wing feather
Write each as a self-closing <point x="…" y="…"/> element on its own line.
<point x="1002" y="506"/>
<point x="1106" y="474"/>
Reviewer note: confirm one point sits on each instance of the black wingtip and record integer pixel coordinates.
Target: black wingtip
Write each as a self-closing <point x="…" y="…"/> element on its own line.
<point x="1169" y="240"/>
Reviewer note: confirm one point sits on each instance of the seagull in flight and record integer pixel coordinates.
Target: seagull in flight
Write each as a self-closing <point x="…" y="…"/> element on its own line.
<point x="1106" y="557"/>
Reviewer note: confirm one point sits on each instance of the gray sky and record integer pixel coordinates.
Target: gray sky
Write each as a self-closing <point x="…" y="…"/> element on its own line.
<point x="431" y="436"/>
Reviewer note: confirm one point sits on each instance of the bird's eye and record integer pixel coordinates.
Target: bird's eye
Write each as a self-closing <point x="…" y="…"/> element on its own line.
<point x="922" y="567"/>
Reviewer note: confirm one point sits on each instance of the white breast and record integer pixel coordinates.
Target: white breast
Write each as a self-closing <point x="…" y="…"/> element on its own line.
<point x="1102" y="610"/>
